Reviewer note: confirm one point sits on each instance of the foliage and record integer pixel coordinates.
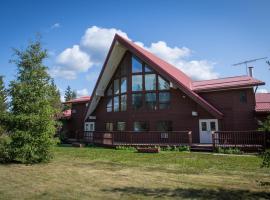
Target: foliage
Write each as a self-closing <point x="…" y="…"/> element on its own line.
<point x="3" y="96"/>
<point x="265" y="159"/>
<point x="229" y="150"/>
<point x="69" y="95"/>
<point x="5" y="149"/>
<point x="127" y="148"/>
<point x="265" y="125"/>
<point x="34" y="105"/>
<point x="176" y="148"/>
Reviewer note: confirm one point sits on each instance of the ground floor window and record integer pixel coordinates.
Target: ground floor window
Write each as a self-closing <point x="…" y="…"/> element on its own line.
<point x="164" y="100"/>
<point x="109" y="126"/>
<point x="164" y="126"/>
<point x="141" y="126"/>
<point x="121" y="126"/>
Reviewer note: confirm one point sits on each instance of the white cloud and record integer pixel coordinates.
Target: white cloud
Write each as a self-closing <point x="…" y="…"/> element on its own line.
<point x="82" y="92"/>
<point x="95" y="44"/>
<point x="262" y="90"/>
<point x="70" y="62"/>
<point x="177" y="56"/>
<point x="96" y="41"/>
<point x="56" y="25"/>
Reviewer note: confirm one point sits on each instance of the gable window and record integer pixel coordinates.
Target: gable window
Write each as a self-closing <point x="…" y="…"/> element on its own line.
<point x="121" y="126"/>
<point x="109" y="105"/>
<point x="151" y="100"/>
<point x="164" y="126"/>
<point x="116" y="86"/>
<point x="164" y="100"/>
<point x="243" y="97"/>
<point x="137" y="83"/>
<point x="147" y="69"/>
<point x="136" y="65"/>
<point x="137" y="101"/>
<point x="140" y="126"/>
<point x="123" y="85"/>
<point x="123" y="102"/>
<point x="163" y="84"/>
<point x="116" y="104"/>
<point x="150" y="82"/>
<point x="109" y="126"/>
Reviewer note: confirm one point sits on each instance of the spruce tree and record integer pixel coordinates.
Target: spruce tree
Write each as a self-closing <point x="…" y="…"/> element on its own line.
<point x="3" y="96"/>
<point x="68" y="94"/>
<point x="33" y="124"/>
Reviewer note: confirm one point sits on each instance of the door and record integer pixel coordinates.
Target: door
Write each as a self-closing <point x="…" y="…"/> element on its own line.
<point x="206" y="127"/>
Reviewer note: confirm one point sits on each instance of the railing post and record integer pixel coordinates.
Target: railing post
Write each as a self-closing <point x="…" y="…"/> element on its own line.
<point x="189" y="138"/>
<point x="213" y="140"/>
<point x="112" y="136"/>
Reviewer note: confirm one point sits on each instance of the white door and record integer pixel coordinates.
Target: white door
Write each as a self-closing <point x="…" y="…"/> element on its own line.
<point x="89" y="126"/>
<point x="206" y="126"/>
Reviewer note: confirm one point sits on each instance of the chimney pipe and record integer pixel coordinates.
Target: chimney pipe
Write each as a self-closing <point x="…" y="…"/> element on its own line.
<point x="250" y="71"/>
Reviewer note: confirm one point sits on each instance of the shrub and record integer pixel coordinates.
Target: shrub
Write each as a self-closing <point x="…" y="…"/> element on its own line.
<point x="176" y="148"/>
<point x="266" y="159"/>
<point x="5" y="150"/>
<point x="127" y="148"/>
<point x="184" y="148"/>
<point x="229" y="150"/>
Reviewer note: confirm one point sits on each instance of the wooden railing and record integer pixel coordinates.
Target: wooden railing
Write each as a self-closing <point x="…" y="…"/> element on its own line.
<point x="140" y="138"/>
<point x="239" y="139"/>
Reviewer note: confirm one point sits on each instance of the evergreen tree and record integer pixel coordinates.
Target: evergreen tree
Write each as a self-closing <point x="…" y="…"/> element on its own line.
<point x="68" y="94"/>
<point x="55" y="97"/>
<point x="33" y="123"/>
<point x="3" y="96"/>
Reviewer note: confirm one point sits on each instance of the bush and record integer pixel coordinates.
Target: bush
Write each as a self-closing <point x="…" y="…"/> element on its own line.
<point x="176" y="148"/>
<point x="229" y="150"/>
<point x="5" y="149"/>
<point x="127" y="148"/>
<point x="266" y="159"/>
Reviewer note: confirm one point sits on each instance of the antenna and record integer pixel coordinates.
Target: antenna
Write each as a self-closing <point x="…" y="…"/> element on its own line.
<point x="249" y="61"/>
<point x="268" y="62"/>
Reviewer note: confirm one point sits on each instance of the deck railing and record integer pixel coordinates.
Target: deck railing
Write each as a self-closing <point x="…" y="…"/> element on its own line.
<point x="239" y="139"/>
<point x="139" y="138"/>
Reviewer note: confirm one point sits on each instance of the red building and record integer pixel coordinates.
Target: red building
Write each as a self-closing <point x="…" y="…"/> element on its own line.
<point x="141" y="98"/>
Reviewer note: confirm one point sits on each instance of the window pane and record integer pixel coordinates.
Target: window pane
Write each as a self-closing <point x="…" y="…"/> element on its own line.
<point x="116" y="103"/>
<point x="121" y="126"/>
<point x="137" y="101"/>
<point x="109" y="126"/>
<point x="162" y="84"/>
<point x="204" y="126"/>
<point x="109" y="105"/>
<point x="136" y="65"/>
<point x="109" y="91"/>
<point x="123" y="85"/>
<point x="150" y="82"/>
<point x="151" y="100"/>
<point x="137" y="83"/>
<point x="213" y="126"/>
<point x="147" y="68"/>
<point x="164" y="125"/>
<point x="116" y="86"/>
<point x="164" y="100"/>
<point x="123" y="102"/>
<point x="243" y="97"/>
<point x="140" y="126"/>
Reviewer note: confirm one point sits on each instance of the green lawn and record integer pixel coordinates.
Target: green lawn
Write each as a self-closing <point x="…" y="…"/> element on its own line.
<point x="97" y="173"/>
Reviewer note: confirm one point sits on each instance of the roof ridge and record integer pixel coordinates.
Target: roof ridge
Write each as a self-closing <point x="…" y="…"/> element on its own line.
<point x="223" y="78"/>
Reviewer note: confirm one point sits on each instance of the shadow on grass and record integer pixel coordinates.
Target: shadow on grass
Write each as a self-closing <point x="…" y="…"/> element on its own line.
<point x="191" y="193"/>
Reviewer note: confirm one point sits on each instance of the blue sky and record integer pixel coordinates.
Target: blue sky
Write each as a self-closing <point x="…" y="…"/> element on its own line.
<point x="203" y="38"/>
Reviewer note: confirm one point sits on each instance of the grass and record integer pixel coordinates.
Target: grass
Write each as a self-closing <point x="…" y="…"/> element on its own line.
<point x="98" y="173"/>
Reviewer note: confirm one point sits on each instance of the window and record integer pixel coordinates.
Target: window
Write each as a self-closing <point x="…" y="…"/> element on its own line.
<point x="162" y="84"/>
<point x="116" y="86"/>
<point x="121" y="126"/>
<point x="109" y="91"/>
<point x="150" y="82"/>
<point x="137" y="101"/>
<point x="137" y="83"/>
<point x="204" y="126"/>
<point x="109" y="105"/>
<point x="243" y="97"/>
<point x="164" y="126"/>
<point x="151" y="100"/>
<point x="136" y="65"/>
<point x="213" y="126"/>
<point x="123" y="102"/>
<point x="116" y="104"/>
<point x="123" y="85"/>
<point x="109" y="126"/>
<point x="147" y="69"/>
<point x="141" y="126"/>
<point x="74" y="111"/>
<point x="164" y="100"/>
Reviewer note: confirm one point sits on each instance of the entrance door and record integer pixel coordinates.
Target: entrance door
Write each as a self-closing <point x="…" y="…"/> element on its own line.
<point x="206" y="126"/>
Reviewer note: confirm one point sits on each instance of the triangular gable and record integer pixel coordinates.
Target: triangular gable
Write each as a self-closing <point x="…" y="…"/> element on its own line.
<point x="174" y="75"/>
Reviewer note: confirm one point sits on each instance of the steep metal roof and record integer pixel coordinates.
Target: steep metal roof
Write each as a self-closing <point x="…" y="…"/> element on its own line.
<point x="262" y="102"/>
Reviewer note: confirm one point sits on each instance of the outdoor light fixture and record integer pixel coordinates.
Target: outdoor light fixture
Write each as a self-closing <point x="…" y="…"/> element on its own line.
<point x="194" y="113"/>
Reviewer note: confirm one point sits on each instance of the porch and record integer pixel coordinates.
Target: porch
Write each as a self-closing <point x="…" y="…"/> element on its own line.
<point x="244" y="140"/>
